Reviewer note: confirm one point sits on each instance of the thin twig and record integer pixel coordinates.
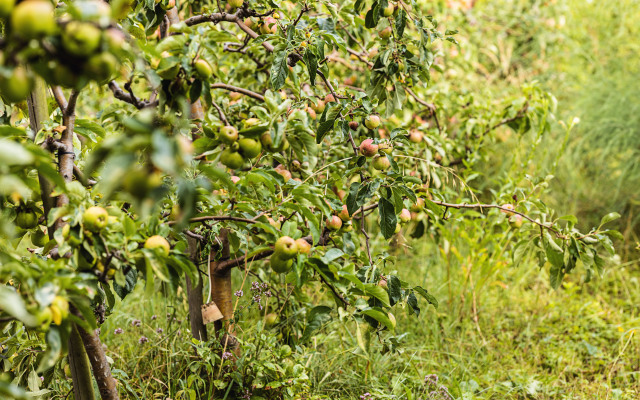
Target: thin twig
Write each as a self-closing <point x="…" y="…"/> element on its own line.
<point x="232" y="88"/>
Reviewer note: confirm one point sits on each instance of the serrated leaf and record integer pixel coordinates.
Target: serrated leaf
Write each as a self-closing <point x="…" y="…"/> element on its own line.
<point x="279" y="69"/>
<point x="427" y="296"/>
<point x="388" y="219"/>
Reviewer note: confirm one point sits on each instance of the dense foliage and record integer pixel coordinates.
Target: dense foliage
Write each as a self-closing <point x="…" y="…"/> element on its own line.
<point x="298" y="142"/>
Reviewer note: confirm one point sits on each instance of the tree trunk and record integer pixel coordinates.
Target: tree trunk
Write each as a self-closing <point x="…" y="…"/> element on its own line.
<point x="198" y="329"/>
<point x="222" y="294"/>
<point x="79" y="366"/>
<point x="99" y="364"/>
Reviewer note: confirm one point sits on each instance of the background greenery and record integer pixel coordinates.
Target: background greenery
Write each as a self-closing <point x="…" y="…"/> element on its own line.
<point x="500" y="332"/>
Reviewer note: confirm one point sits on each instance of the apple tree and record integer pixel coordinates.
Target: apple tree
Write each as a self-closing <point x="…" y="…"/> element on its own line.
<point x="294" y="141"/>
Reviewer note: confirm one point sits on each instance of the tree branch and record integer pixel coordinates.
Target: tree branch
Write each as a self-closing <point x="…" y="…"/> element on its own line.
<point x="238" y="89"/>
<point x="120" y="94"/>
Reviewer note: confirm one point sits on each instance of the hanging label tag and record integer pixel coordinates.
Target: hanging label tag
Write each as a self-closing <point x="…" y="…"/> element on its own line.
<point x="210" y="313"/>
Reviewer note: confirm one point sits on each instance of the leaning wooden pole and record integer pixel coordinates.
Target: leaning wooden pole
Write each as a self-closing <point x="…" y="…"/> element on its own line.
<point x="194" y="295"/>
<point x="222" y="292"/>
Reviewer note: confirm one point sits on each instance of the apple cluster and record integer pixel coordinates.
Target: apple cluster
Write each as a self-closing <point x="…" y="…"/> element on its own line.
<point x="68" y="49"/>
<point x="285" y="250"/>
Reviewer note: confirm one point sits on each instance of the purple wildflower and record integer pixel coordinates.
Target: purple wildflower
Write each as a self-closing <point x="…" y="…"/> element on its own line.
<point x="239" y="293"/>
<point x="154" y="317"/>
<point x="226" y="355"/>
<point x="136" y="322"/>
<point x="159" y="330"/>
<point x="118" y="331"/>
<point x="143" y="339"/>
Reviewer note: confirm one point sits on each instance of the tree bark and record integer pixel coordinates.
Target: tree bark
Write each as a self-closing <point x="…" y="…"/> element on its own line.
<point x="79" y="366"/>
<point x="194" y="294"/>
<point x="99" y="364"/>
<point x="222" y="293"/>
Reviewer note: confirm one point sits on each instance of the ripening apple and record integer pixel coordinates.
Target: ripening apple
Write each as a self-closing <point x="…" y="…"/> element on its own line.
<point x="385" y="33"/>
<point x="81" y="38"/>
<point x="6" y="6"/>
<point x="95" y="218"/>
<point x="386" y="147"/>
<point x="269" y="26"/>
<point x="33" y="19"/>
<point x="388" y="10"/>
<point x="286" y="174"/>
<point x="250" y="148"/>
<point x="516" y="221"/>
<point x="506" y="209"/>
<point x="271" y="319"/>
<point x="228" y="134"/>
<point x="372" y="121"/>
<point x="329" y="98"/>
<point x="405" y="215"/>
<point x="16" y="87"/>
<point x="415" y="136"/>
<point x="304" y="247"/>
<point x="353" y="125"/>
<point x="368" y="148"/>
<point x="334" y="223"/>
<point x="383" y="283"/>
<point x="344" y="214"/>
<point x="158" y="242"/>
<point x="418" y="206"/>
<point x="381" y="163"/>
<point x="347" y="227"/>
<point x="203" y="69"/>
<point x="312" y="113"/>
<point x="285" y="248"/>
<point x="231" y="159"/>
<point x="318" y="106"/>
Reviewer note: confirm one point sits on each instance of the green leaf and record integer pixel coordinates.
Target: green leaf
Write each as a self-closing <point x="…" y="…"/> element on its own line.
<point x="352" y="204"/>
<point x="12" y="153"/>
<point x="555" y="254"/>
<point x="379" y="293"/>
<point x="311" y="61"/>
<point x="609" y="217"/>
<point x="318" y="316"/>
<point x="388" y="219"/>
<point x="279" y="69"/>
<point x="401" y="22"/>
<point x="326" y="122"/>
<point x="379" y="316"/>
<point x="11" y="303"/>
<point x="395" y="289"/>
<point x="427" y="296"/>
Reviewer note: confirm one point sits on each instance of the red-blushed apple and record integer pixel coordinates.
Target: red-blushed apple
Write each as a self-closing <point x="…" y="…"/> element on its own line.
<point x="368" y="148"/>
<point x="269" y="26"/>
<point x="507" y="208"/>
<point x="344" y="214"/>
<point x="385" y="33"/>
<point x="334" y="223"/>
<point x="418" y="206"/>
<point x="415" y="136"/>
<point x="516" y="221"/>
<point x="304" y="247"/>
<point x="329" y="98"/>
<point x="405" y="215"/>
<point x="388" y="10"/>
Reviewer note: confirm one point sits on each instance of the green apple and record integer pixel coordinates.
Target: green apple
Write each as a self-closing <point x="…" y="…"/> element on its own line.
<point x="381" y="163"/>
<point x="304" y="247"/>
<point x="231" y="159"/>
<point x="318" y="106"/>
<point x="271" y="319"/>
<point x="279" y="265"/>
<point x="26" y="219"/>
<point x="158" y="242"/>
<point x="6" y="6"/>
<point x="16" y="86"/>
<point x="368" y="148"/>
<point x="372" y="121"/>
<point x="285" y="248"/>
<point x="250" y="148"/>
<point x="386" y="147"/>
<point x="63" y="75"/>
<point x="334" y="223"/>
<point x="203" y="69"/>
<point x="95" y="218"/>
<point x="39" y="238"/>
<point x="101" y="67"/>
<point x="33" y="19"/>
<point x="418" y="206"/>
<point x="516" y="221"/>
<point x="81" y="38"/>
<point x="228" y="134"/>
<point x="388" y="10"/>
